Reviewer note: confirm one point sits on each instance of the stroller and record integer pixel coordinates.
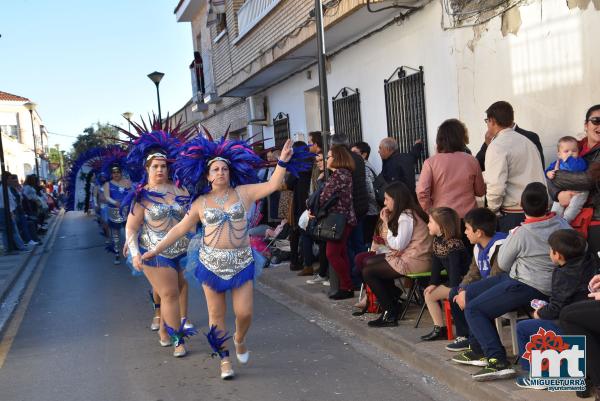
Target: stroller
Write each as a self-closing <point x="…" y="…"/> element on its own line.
<point x="272" y="243"/>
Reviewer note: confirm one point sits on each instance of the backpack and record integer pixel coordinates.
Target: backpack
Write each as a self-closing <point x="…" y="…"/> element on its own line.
<point x="379" y="188"/>
<point x="372" y="303"/>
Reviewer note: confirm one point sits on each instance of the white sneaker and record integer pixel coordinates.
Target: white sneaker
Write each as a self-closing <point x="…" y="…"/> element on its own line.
<point x="326" y="283"/>
<point x="33" y="243"/>
<point x="316" y="279"/>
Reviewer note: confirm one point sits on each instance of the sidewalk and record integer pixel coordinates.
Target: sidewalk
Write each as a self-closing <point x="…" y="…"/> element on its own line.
<point x="11" y="266"/>
<point x="403" y="341"/>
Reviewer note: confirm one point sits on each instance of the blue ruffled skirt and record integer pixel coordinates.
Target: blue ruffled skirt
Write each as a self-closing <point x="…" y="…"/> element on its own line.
<point x="203" y="275"/>
<point x="158" y="261"/>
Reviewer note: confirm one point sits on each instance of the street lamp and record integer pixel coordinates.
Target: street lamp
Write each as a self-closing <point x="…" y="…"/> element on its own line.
<point x="127" y="115"/>
<point x="31" y="107"/>
<point x="156" y="77"/>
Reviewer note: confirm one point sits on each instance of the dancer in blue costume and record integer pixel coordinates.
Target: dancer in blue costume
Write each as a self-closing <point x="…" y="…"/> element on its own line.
<point x="115" y="189"/>
<point x="157" y="205"/>
<point x="224" y="177"/>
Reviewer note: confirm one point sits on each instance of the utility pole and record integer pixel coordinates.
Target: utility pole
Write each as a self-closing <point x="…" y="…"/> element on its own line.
<point x="323" y="96"/>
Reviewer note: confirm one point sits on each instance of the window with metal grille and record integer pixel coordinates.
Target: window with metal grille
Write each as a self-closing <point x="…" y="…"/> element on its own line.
<point x="281" y="129"/>
<point x="405" y="109"/>
<point x="346" y="114"/>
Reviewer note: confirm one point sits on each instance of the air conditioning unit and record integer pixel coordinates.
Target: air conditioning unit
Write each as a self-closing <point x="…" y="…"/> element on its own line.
<point x="257" y="110"/>
<point x="211" y="98"/>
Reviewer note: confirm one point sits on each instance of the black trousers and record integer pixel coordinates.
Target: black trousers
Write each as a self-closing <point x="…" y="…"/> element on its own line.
<point x="295" y="253"/>
<point x="508" y="221"/>
<point x="380" y="276"/>
<point x="583" y="318"/>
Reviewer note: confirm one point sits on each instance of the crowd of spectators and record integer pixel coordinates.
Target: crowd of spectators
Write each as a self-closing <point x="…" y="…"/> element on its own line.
<point x="493" y="232"/>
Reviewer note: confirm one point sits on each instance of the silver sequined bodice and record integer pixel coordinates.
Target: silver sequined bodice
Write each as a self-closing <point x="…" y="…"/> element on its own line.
<point x="225" y="263"/>
<point x="215" y="216"/>
<point x="224" y="250"/>
<point x="159" y="218"/>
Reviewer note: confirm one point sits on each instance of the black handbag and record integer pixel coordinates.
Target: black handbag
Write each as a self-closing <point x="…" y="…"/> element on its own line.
<point x="327" y="226"/>
<point x="330" y="227"/>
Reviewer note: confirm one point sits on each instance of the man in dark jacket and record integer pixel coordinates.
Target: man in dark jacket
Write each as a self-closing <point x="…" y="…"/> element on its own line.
<point x="398" y="166"/>
<point x="301" y="187"/>
<point x="532" y="136"/>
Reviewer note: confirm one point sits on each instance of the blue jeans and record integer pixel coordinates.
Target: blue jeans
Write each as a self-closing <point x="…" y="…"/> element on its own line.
<point x="491" y="298"/>
<point x="356" y="245"/>
<point x="458" y="315"/>
<point x="527" y="328"/>
<point x="16" y="238"/>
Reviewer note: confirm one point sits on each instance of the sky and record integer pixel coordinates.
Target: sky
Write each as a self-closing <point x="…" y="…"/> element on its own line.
<point x="85" y="62"/>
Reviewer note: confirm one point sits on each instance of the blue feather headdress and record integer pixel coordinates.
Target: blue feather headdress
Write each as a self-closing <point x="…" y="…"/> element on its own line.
<point x="191" y="165"/>
<point x="114" y="156"/>
<point x="92" y="159"/>
<point x="162" y="138"/>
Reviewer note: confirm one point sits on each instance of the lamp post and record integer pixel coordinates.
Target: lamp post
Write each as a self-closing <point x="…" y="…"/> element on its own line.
<point x="127" y="115"/>
<point x="156" y="77"/>
<point x="31" y="107"/>
<point x="5" y="200"/>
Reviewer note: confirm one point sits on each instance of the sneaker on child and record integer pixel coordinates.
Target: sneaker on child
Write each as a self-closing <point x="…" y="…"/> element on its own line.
<point x="470" y="358"/>
<point x="459" y="344"/>
<point x="525" y="382"/>
<point x="495" y="369"/>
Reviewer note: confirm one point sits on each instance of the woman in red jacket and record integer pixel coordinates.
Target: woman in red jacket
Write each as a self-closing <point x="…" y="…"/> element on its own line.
<point x="339" y="184"/>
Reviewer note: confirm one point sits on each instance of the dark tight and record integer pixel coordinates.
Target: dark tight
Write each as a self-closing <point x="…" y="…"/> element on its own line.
<point x="583" y="318"/>
<point x="379" y="276"/>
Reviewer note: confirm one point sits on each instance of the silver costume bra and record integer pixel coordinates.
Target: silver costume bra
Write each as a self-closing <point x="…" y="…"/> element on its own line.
<point x="159" y="218"/>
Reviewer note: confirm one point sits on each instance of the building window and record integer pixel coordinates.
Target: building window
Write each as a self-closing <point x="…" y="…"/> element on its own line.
<point x="346" y="114"/>
<point x="281" y="129"/>
<point x="10" y="130"/>
<point x="405" y="109"/>
<point x="221" y="23"/>
<point x="197" y="72"/>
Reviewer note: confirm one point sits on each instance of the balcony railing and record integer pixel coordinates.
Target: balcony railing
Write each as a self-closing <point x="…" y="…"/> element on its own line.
<point x="251" y="12"/>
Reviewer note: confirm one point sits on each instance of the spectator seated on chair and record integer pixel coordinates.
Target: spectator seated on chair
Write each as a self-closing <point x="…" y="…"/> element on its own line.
<point x="480" y="229"/>
<point x="448" y="253"/>
<point x="524" y="257"/>
<point x="410" y="250"/>
<point x="569" y="284"/>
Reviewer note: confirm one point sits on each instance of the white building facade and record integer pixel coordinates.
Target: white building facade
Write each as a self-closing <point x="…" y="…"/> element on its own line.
<point x="17" y="137"/>
<point x="406" y="70"/>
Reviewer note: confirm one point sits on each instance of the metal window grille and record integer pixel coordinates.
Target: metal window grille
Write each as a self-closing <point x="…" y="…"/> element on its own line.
<point x="281" y="129"/>
<point x="346" y="114"/>
<point x="405" y="109"/>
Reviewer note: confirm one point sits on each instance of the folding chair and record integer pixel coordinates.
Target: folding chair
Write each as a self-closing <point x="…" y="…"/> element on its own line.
<point x="415" y="293"/>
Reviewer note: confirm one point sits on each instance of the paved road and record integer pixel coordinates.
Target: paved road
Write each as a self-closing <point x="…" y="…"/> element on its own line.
<point x="84" y="336"/>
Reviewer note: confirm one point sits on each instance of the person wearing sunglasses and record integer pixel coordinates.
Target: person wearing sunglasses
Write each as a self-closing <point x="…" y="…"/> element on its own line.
<point x="565" y="184"/>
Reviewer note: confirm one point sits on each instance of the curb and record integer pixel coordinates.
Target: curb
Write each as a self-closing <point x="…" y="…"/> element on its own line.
<point x="454" y="376"/>
<point x="37" y="252"/>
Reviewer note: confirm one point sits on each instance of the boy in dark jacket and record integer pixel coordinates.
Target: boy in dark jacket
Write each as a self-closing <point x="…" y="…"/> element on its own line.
<point x="569" y="285"/>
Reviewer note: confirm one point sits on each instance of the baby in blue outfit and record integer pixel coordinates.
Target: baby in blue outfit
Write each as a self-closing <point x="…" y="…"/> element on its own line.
<point x="568" y="160"/>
